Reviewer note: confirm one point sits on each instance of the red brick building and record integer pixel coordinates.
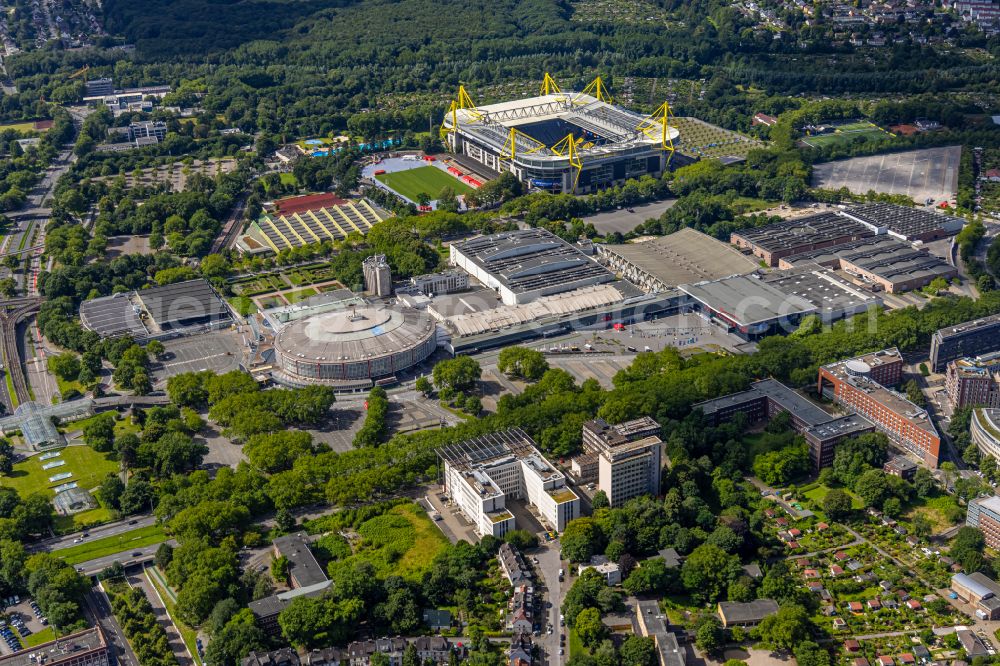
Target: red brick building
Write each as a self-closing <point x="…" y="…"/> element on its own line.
<point x="861" y="384"/>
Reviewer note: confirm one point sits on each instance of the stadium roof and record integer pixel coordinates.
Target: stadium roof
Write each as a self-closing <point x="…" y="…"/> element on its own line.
<point x="684" y="256"/>
<point x="489" y="125"/>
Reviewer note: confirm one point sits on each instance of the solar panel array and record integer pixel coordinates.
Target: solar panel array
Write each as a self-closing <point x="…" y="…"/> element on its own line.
<point x="314" y="226"/>
<point x="112" y="316"/>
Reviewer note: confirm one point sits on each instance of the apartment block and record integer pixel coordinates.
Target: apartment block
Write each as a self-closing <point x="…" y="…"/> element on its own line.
<point x="861" y="384"/>
<point x="482" y="473"/>
<point x="768" y="398"/>
<point x="629" y="457"/>
<point x="974" y="382"/>
<point x="968" y="339"/>
<point x="984" y="514"/>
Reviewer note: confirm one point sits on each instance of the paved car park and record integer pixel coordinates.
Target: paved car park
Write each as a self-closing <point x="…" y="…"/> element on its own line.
<point x="218" y="351"/>
<point x="20" y="620"/>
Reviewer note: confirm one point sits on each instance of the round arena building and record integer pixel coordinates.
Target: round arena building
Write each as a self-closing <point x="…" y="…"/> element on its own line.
<point x="357" y="344"/>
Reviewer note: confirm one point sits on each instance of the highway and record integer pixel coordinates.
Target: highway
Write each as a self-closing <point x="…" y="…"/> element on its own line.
<point x="127" y="558"/>
<point x="108" y="530"/>
<point x="99" y="609"/>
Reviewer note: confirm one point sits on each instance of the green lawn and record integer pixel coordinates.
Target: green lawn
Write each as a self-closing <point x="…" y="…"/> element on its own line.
<point x="819" y="491"/>
<point x="300" y="295"/>
<point x="63" y="384"/>
<point x="78" y="521"/>
<point x="28" y="126"/>
<point x="575" y="644"/>
<point x="122" y="426"/>
<point x="89" y="469"/>
<point x="426" y="179"/>
<point x="44" y="636"/>
<point x="10" y="389"/>
<point x="89" y="550"/>
<point x="847" y="133"/>
<point x="403" y="541"/>
<point x="288" y="179"/>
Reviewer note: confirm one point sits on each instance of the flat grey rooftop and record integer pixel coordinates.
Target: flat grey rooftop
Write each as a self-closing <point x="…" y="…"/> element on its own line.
<point x="183" y="303"/>
<point x="803" y="232"/>
<point x="530" y="259"/>
<point x="685" y="256"/>
<point x="748" y="300"/>
<point x="830" y="256"/>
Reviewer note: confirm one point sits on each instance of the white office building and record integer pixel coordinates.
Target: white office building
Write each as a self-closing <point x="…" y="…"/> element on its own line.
<point x="629" y="457"/>
<point x="481" y="474"/>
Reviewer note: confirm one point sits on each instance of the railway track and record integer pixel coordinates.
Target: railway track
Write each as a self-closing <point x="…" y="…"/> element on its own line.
<point x="232" y="228"/>
<point x="13" y="312"/>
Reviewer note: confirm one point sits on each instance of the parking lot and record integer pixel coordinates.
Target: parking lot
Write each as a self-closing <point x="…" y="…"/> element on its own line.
<point x="218" y="351"/>
<point x="338" y="429"/>
<point x="929" y="173"/>
<point x="625" y="220"/>
<point x="22" y="621"/>
<point x="612" y="350"/>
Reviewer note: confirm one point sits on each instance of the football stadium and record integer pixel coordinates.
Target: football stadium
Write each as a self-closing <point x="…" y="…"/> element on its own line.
<point x="562" y="141"/>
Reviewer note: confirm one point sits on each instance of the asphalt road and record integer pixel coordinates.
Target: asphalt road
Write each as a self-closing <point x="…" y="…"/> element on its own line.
<point x="137" y="578"/>
<point x="127" y="558"/>
<point x="107" y="530"/>
<point x="99" y="609"/>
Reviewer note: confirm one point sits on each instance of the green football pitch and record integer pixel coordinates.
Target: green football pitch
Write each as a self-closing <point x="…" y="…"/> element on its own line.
<point x="427" y="179"/>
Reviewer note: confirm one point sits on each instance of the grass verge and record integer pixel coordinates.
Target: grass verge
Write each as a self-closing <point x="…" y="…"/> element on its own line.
<point x="44" y="636"/>
<point x="144" y="536"/>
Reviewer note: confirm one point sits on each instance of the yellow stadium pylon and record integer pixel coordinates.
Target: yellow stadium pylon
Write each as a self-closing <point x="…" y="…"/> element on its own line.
<point x="567" y="147"/>
<point x="510" y="151"/>
<point x="463" y="102"/>
<point x="596" y="89"/>
<point x="656" y="126"/>
<point x="549" y="85"/>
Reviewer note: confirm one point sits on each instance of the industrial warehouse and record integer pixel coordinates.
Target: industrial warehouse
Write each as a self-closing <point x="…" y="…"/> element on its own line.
<point x="158" y="312"/>
<point x="757" y="305"/>
<point x="522" y="266"/>
<point x="562" y="141"/>
<point x="879" y="246"/>
<point x="663" y="262"/>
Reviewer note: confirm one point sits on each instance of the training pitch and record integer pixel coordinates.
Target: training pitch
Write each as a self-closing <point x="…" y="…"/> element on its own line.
<point x="428" y="180"/>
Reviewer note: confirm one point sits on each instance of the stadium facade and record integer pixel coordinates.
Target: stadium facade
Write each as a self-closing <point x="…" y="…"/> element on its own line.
<point x="562" y="141"/>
